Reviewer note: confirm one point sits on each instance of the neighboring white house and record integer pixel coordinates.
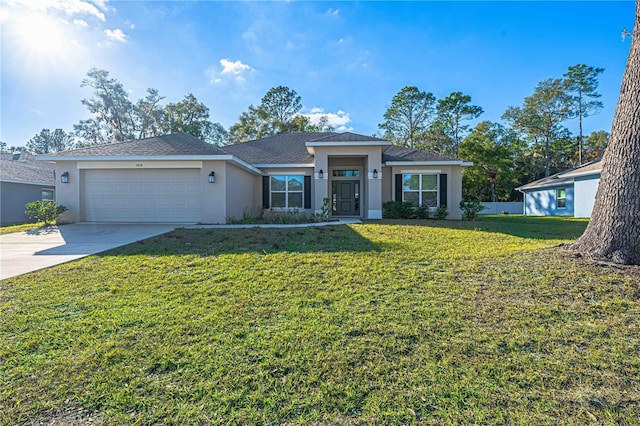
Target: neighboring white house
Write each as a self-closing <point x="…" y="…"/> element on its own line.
<point x="181" y="179"/>
<point x="569" y="193"/>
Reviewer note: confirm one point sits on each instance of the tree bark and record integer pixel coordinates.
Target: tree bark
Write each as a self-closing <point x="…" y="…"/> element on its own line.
<point x="614" y="230"/>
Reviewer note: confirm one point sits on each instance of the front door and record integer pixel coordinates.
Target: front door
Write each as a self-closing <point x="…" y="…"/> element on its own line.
<point x="345" y="197"/>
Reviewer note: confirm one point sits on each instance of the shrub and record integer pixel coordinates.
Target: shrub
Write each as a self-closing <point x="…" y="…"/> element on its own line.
<point x="470" y="209"/>
<point x="44" y="211"/>
<point x="397" y="210"/>
<point x="441" y="212"/>
<point x="421" y="212"/>
<point x="323" y="216"/>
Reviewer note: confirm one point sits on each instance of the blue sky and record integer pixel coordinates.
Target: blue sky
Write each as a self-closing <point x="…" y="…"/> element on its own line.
<point x="346" y="59"/>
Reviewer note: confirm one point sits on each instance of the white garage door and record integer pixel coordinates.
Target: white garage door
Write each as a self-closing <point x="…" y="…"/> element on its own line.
<point x="168" y="195"/>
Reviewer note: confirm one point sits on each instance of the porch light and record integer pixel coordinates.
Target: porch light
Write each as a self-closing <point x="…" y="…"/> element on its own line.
<point x="320" y="174"/>
<point x="64" y="178"/>
<point x="375" y="173"/>
<point x="212" y="177"/>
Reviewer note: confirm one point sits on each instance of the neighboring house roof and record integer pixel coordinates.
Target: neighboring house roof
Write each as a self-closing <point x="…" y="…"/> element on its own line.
<point x="24" y="168"/>
<point x="166" y="145"/>
<point x="565" y="177"/>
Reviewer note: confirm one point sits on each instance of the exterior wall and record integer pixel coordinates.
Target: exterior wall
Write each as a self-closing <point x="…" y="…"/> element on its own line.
<point x="387" y="184"/>
<point x="454" y="185"/>
<point x="542" y="202"/>
<point x="14" y="196"/>
<point x="511" y="207"/>
<point x="585" y="189"/>
<point x="241" y="188"/>
<point x="213" y="195"/>
<point x="68" y="194"/>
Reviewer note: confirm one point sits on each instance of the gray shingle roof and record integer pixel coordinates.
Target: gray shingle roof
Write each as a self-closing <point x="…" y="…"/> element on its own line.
<point x="564" y="177"/>
<point x="284" y="148"/>
<point x="346" y="137"/>
<point x="173" y="144"/>
<point x="26" y="169"/>
<point x="400" y="153"/>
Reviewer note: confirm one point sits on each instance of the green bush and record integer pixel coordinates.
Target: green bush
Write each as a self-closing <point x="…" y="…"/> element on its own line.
<point x="324" y="213"/>
<point x="470" y="209"/>
<point x="441" y="212"/>
<point x="397" y="210"/>
<point x="44" y="211"/>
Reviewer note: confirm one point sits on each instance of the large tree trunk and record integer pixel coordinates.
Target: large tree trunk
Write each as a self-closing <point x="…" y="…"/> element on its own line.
<point x="614" y="230"/>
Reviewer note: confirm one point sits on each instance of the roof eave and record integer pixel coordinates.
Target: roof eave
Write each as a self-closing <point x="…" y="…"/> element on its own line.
<point x="430" y="163"/>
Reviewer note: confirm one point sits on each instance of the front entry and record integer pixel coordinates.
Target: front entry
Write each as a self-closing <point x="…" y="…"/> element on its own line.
<point x="345" y="197"/>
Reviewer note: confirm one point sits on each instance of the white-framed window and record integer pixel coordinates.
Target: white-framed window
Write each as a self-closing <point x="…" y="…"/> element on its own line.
<point x="420" y="189"/>
<point x="561" y="198"/>
<point x="47" y="195"/>
<point x="287" y="192"/>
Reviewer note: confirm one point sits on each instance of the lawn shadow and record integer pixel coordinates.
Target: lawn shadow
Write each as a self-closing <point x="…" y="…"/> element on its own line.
<point x="339" y="238"/>
<point x="45" y="230"/>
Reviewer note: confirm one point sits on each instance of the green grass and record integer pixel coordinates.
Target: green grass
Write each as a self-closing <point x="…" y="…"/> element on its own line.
<point x="382" y="323"/>
<point x="9" y="229"/>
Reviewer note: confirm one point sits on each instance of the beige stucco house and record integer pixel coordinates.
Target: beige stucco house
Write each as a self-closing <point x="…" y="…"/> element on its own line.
<point x="181" y="179"/>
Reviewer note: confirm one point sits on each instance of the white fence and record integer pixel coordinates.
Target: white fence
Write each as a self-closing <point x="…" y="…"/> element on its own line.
<point x="515" y="207"/>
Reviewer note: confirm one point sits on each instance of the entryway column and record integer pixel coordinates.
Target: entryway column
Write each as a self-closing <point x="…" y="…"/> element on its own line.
<point x="374" y="186"/>
<point x="320" y="181"/>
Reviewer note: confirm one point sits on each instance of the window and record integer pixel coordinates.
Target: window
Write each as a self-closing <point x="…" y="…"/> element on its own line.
<point x="47" y="195"/>
<point x="561" y="198"/>
<point x="346" y="173"/>
<point x="287" y="191"/>
<point x="420" y="190"/>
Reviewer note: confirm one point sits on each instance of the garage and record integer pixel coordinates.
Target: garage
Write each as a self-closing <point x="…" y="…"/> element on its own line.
<point x="150" y="195"/>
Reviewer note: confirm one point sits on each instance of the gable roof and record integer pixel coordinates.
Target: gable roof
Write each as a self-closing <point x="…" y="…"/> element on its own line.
<point x="283" y="148"/>
<point x="401" y="153"/>
<point x="173" y="144"/>
<point x="26" y="169"/>
<point x="565" y="177"/>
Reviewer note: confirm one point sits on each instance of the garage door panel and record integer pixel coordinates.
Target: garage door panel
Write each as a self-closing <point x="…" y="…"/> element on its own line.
<point x="141" y="195"/>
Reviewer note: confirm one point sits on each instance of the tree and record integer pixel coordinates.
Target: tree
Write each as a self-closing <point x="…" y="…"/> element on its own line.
<point x="613" y="232"/>
<point x="582" y="83"/>
<point x="595" y="145"/>
<point x="410" y="114"/>
<point x="47" y="141"/>
<point x="452" y="111"/>
<point x="492" y="149"/>
<point x="542" y="113"/>
<point x="150" y="114"/>
<point x="278" y="112"/>
<point x="192" y="117"/>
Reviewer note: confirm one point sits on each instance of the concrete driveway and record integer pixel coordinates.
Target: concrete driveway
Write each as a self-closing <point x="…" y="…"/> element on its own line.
<point x="28" y="251"/>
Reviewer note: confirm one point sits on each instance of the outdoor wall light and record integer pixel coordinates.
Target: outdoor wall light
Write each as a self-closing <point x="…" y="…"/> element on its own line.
<point x="320" y="174"/>
<point x="64" y="178"/>
<point x="212" y="177"/>
<point x="375" y="173"/>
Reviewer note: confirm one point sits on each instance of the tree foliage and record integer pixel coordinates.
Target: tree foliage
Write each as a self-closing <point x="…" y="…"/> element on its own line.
<point x="114" y="117"/>
<point x="47" y="141"/>
<point x="452" y="111"/>
<point x="582" y="85"/>
<point x="409" y="116"/>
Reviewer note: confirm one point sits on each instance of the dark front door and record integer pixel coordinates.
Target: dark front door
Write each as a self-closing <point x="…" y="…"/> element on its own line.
<point x="345" y="197"/>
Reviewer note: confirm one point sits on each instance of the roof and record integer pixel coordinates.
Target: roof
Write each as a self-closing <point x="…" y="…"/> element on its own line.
<point x="565" y="177"/>
<point x="400" y="153"/>
<point x="25" y="168"/>
<point x="283" y="148"/>
<point x="173" y="144"/>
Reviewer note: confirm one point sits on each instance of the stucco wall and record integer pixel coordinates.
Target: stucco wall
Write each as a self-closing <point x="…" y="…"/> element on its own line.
<point x="68" y="194"/>
<point x="14" y="196"/>
<point x="542" y="202"/>
<point x="585" y="189"/>
<point x="241" y="188"/>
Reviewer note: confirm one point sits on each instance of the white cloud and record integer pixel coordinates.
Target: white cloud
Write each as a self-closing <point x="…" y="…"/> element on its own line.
<point x="70" y="7"/>
<point x="339" y="120"/>
<point x="116" y="35"/>
<point x="230" y="69"/>
<point x="333" y="12"/>
<point x="80" y="23"/>
<point x="341" y="41"/>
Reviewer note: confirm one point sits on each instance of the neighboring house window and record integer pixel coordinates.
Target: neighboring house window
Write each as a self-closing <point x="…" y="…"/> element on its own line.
<point x="420" y="190"/>
<point x="561" y="198"/>
<point x="48" y="195"/>
<point x="287" y="191"/>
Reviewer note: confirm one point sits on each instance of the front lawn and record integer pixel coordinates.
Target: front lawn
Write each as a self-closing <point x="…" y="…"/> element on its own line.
<point x="381" y="323"/>
<point x="9" y="229"/>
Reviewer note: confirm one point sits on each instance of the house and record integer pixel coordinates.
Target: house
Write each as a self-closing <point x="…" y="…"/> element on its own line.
<point x="568" y="193"/>
<point x="179" y="178"/>
<point x="23" y="179"/>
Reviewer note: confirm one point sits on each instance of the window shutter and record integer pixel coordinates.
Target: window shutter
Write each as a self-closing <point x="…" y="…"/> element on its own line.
<point x="307" y="192"/>
<point x="443" y="189"/>
<point x="265" y="192"/>
<point x="399" y="187"/>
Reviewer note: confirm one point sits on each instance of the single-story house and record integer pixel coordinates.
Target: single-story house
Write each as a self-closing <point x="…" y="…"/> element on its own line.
<point x="568" y="193"/>
<point x="179" y="178"/>
<point x="23" y="179"/>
